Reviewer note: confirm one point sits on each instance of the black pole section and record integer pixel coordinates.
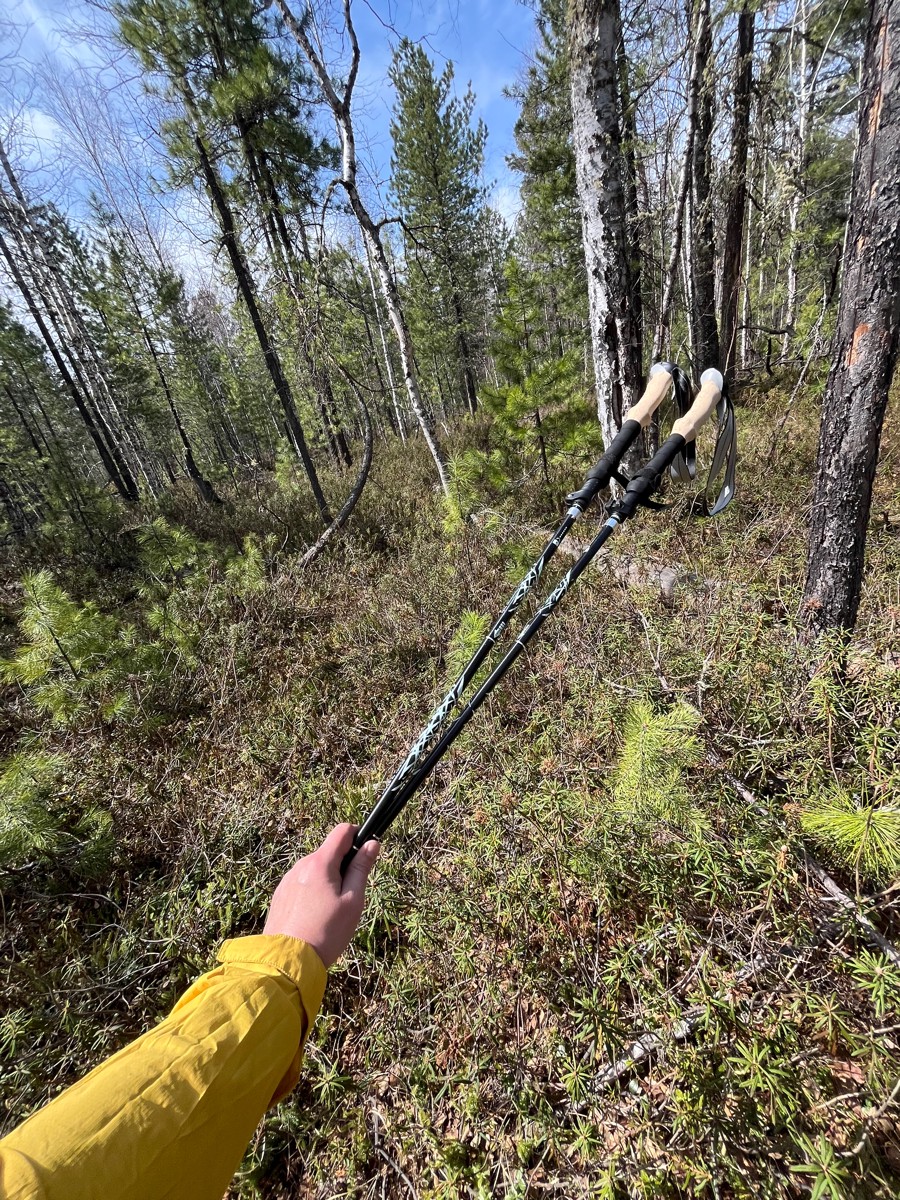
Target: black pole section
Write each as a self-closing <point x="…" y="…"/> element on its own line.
<point x="597" y="478"/>
<point x="382" y="816"/>
<point x="420" y="762"/>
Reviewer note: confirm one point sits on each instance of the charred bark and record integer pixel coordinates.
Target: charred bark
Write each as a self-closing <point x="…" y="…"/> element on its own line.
<point x="864" y="351"/>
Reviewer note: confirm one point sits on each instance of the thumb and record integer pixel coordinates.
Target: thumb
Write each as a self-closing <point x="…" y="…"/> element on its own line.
<point x="359" y="868"/>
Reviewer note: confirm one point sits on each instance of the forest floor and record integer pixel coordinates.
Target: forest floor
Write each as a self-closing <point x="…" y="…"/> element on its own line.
<point x="581" y="871"/>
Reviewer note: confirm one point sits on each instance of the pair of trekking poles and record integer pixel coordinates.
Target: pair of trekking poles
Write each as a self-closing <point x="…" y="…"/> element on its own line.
<point x="676" y="456"/>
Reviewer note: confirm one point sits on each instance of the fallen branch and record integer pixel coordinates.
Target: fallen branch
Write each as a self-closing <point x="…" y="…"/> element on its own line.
<point x="873" y="935"/>
<point x="657" y="1040"/>
<point x="350" y="503"/>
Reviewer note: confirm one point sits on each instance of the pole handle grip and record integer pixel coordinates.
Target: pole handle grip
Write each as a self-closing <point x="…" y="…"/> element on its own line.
<point x="637" y="418"/>
<point x="658" y="383"/>
<point x="711" y="385"/>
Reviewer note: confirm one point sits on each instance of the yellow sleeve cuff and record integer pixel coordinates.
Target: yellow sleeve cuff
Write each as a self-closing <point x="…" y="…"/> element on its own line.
<point x="290" y="957"/>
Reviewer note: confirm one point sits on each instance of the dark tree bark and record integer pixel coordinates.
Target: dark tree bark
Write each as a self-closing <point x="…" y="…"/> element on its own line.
<point x="703" y="257"/>
<point x="733" y="246"/>
<point x="595" y="34"/>
<point x="864" y="352"/>
<point x="247" y="290"/>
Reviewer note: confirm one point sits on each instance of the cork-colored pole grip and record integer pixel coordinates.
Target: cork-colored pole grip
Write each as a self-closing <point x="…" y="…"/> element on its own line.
<point x="711" y="384"/>
<point x="657" y="385"/>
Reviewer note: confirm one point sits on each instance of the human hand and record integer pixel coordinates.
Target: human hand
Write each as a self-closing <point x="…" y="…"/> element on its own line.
<point x="314" y="904"/>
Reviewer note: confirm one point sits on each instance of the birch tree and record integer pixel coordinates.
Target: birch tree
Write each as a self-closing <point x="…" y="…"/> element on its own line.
<point x="594" y="38"/>
<point x="341" y="108"/>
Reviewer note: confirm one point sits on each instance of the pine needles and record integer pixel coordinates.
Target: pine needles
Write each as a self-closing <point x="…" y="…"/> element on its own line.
<point x="657" y="748"/>
<point x="863" y="832"/>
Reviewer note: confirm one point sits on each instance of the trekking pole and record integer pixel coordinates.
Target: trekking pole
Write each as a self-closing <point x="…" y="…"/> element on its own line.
<point x="418" y="765"/>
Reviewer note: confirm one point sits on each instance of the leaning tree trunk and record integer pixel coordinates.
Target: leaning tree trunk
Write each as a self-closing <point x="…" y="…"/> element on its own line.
<point x="733" y="246"/>
<point x="594" y="36"/>
<point x="865" y="346"/>
<point x="119" y="478"/>
<point x="205" y="489"/>
<point x="247" y="289"/>
<point x="341" y="110"/>
<point x="401" y="423"/>
<point x="703" y="259"/>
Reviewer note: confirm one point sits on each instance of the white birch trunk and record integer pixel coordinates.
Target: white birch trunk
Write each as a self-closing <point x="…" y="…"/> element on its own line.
<point x="340" y="107"/>
<point x="594" y="36"/>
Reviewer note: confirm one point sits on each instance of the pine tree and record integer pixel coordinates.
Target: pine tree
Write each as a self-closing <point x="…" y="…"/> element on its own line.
<point x="180" y="43"/>
<point x="535" y="402"/>
<point x="438" y="157"/>
<point x="549" y="228"/>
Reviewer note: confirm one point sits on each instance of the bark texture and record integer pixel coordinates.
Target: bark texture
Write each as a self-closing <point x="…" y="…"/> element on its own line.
<point x="705" y="339"/>
<point x="733" y="246"/>
<point x="247" y="289"/>
<point x="661" y="332"/>
<point x="866" y="340"/>
<point x="595" y="33"/>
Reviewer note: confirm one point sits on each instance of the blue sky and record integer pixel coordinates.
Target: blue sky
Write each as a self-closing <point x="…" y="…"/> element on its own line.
<point x="487" y="42"/>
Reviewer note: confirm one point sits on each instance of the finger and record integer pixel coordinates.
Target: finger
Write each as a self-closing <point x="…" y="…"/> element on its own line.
<point x="333" y="849"/>
<point x="359" y="869"/>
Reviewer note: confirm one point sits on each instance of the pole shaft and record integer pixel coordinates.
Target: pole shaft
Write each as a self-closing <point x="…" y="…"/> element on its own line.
<point x="383" y="815"/>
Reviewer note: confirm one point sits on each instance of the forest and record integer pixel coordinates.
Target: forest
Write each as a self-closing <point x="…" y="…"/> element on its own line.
<point x="292" y="393"/>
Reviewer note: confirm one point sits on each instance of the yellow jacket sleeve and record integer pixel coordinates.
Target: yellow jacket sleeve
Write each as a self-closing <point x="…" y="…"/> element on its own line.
<point x="171" y="1114"/>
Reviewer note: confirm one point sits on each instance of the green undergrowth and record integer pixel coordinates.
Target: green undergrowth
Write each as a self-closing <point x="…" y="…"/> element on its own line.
<point x="582" y="870"/>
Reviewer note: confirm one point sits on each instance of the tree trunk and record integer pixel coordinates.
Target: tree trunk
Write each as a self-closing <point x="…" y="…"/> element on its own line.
<point x="462" y="344"/>
<point x="703" y="309"/>
<point x="285" y="259"/>
<point x="733" y="246"/>
<point x="340" y="107"/>
<point x="248" y="293"/>
<point x="865" y="346"/>
<point x="71" y="343"/>
<point x="594" y="37"/>
<point x="401" y="424"/>
<point x="636" y="225"/>
<point x="204" y="488"/>
<point x="661" y="333"/>
<point x="803" y="94"/>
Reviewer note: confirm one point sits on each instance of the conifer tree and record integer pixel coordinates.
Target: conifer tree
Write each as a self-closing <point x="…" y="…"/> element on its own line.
<point x="179" y="42"/>
<point x="436" y="180"/>
<point x="532" y="403"/>
<point x="549" y="228"/>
